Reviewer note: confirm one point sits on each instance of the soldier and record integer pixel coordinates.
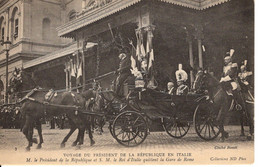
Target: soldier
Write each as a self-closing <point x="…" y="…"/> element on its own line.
<point x="181" y="77"/>
<point x="181" y="74"/>
<point x="122" y="73"/>
<point x="244" y="75"/>
<point x="229" y="80"/>
<point x="182" y="88"/>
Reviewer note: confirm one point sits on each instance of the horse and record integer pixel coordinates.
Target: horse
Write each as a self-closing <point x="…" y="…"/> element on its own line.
<point x="34" y="108"/>
<point x="221" y="101"/>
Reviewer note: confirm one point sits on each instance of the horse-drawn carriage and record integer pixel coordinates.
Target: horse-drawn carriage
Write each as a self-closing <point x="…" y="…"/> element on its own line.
<point x="132" y="118"/>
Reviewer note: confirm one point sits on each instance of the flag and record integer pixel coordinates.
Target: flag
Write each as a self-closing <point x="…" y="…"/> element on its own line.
<point x="149" y="49"/>
<point x="79" y="71"/>
<point x="140" y="51"/>
<point x="72" y="69"/>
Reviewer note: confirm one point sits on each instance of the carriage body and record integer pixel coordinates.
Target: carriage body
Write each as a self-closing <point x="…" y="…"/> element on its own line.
<point x="131" y="121"/>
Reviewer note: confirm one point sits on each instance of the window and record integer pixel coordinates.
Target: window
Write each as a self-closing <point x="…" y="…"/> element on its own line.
<point x="15" y="24"/>
<point x="2" y="33"/>
<point x="16" y="28"/>
<point x="2" y="29"/>
<point x="46" y="27"/>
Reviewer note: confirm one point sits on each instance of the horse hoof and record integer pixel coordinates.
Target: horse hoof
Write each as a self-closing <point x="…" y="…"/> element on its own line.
<point x="39" y="146"/>
<point x="78" y="147"/>
<point x="74" y="144"/>
<point x="62" y="145"/>
<point x="92" y="143"/>
<point x="225" y="135"/>
<point x="27" y="148"/>
<point x="34" y="140"/>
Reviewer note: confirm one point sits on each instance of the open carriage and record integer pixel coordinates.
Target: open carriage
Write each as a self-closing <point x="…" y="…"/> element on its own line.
<point x="130" y="120"/>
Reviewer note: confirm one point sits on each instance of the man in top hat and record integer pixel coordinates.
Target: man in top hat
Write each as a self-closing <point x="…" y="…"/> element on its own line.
<point x="122" y="73"/>
<point x="181" y="77"/>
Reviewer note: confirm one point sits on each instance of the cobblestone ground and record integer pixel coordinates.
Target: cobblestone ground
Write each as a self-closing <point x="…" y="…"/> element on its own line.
<point x="12" y="140"/>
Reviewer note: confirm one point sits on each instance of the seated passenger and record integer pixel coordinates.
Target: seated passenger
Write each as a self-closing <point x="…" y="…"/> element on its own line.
<point x="171" y="88"/>
<point x="182" y="88"/>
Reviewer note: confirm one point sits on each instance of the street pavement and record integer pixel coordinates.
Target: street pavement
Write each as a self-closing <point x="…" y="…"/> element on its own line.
<point x="13" y="139"/>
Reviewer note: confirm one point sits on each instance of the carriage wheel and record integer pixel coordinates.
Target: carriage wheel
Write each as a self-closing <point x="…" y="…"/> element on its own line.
<point x="110" y="127"/>
<point x="205" y="122"/>
<point x="130" y="128"/>
<point x="176" y="128"/>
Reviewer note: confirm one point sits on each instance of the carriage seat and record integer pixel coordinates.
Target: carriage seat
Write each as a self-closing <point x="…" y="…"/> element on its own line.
<point x="162" y="96"/>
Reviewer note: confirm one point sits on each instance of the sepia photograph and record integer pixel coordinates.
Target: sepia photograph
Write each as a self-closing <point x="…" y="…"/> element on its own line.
<point x="127" y="82"/>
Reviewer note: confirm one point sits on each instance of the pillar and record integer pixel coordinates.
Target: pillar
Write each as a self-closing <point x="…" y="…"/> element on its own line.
<point x="66" y="70"/>
<point x="189" y="40"/>
<point x="83" y="71"/>
<point x="199" y="37"/>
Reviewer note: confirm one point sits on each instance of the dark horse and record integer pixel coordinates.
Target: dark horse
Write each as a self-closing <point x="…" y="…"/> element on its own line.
<point x="222" y="102"/>
<point x="35" y="107"/>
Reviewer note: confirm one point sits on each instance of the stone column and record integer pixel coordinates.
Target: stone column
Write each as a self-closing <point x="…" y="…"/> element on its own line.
<point x="66" y="70"/>
<point x="189" y="40"/>
<point x="199" y="36"/>
<point x="83" y="71"/>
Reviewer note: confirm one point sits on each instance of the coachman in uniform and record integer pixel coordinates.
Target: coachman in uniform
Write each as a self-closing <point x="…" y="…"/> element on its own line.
<point x="122" y="73"/>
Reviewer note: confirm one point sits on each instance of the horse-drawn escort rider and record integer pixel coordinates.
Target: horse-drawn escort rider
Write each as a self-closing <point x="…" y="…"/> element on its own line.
<point x="244" y="77"/>
<point x="229" y="80"/>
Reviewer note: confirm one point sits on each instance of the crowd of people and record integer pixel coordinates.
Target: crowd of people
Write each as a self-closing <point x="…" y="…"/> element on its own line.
<point x="10" y="117"/>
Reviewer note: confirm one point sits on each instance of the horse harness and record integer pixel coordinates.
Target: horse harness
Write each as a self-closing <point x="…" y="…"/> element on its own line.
<point x="52" y="94"/>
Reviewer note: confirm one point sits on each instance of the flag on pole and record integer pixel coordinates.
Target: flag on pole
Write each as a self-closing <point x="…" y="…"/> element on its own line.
<point x="140" y="51"/>
<point x="149" y="49"/>
<point x="79" y="71"/>
<point x="72" y="69"/>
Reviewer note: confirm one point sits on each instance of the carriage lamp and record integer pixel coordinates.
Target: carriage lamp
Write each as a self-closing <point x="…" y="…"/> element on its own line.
<point x="7" y="45"/>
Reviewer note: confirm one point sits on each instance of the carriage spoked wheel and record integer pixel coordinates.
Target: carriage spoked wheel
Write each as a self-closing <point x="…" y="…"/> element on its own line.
<point x="110" y="127"/>
<point x="130" y="128"/>
<point x="176" y="128"/>
<point x="205" y="122"/>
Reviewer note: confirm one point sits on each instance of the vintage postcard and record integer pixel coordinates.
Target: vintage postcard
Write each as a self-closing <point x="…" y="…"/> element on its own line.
<point x="127" y="82"/>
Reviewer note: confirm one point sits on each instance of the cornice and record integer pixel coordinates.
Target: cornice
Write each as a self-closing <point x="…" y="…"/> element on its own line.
<point x="89" y="17"/>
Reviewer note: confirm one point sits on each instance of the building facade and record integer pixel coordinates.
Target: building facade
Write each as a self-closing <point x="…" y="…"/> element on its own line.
<point x="47" y="35"/>
<point x="30" y="26"/>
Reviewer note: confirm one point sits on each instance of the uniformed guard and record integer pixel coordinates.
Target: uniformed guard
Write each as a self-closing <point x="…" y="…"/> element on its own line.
<point x="181" y="74"/>
<point x="244" y="76"/>
<point x="181" y="77"/>
<point x="229" y="80"/>
<point x="122" y="73"/>
<point x="182" y="89"/>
